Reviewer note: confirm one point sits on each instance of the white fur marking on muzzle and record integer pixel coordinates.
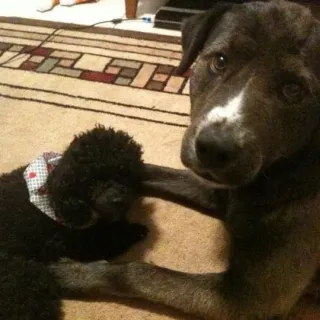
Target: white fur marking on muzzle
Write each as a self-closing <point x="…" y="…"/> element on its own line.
<point x="229" y="113"/>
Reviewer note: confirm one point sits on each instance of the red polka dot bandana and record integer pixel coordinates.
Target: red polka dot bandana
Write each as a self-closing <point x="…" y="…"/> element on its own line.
<point x="36" y="175"/>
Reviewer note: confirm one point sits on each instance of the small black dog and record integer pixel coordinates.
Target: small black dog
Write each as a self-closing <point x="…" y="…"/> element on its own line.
<point x="90" y="191"/>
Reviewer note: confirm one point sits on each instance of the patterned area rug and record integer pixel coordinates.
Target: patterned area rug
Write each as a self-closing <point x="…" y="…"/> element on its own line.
<point x="122" y="79"/>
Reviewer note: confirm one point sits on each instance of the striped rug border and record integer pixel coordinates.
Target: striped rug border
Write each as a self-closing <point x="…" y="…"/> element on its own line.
<point x="149" y="62"/>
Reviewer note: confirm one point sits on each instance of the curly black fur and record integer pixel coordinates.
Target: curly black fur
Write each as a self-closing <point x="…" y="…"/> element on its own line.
<point x="99" y="173"/>
<point x="100" y="176"/>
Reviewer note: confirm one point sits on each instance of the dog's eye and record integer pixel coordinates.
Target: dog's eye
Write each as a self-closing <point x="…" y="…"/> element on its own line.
<point x="218" y="63"/>
<point x="292" y="90"/>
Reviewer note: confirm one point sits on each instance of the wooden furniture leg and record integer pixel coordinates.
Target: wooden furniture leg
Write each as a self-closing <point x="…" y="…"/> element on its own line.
<point x="131" y="8"/>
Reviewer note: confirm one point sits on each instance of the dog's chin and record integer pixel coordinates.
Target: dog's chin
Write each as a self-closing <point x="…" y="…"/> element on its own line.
<point x="223" y="183"/>
<point x="202" y="175"/>
<point x="230" y="180"/>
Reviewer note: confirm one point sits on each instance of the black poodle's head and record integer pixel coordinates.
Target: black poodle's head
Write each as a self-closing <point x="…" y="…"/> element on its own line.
<point x="112" y="200"/>
<point x="106" y="154"/>
<point x="98" y="176"/>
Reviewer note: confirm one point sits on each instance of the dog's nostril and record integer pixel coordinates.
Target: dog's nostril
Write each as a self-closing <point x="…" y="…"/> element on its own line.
<point x="222" y="157"/>
<point x="202" y="146"/>
<point x="206" y="150"/>
<point x="215" y="149"/>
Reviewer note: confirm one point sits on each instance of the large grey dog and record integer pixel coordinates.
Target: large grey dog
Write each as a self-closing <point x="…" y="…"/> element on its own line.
<point x="253" y="150"/>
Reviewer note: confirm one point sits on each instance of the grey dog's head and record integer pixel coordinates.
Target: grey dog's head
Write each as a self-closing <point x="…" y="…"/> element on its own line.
<point x="254" y="88"/>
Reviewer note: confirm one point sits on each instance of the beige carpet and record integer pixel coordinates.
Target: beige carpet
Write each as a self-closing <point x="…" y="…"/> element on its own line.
<point x="120" y="79"/>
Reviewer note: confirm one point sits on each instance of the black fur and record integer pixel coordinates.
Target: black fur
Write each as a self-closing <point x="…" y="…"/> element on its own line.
<point x="99" y="172"/>
<point x="81" y="184"/>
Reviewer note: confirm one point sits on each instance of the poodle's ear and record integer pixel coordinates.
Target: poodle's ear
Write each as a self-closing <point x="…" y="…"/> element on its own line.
<point x="195" y="31"/>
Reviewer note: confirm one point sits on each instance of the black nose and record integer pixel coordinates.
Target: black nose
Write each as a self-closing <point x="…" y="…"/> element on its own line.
<point x="215" y="149"/>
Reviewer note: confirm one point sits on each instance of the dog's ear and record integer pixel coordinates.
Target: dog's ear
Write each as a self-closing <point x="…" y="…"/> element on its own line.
<point x="195" y="31"/>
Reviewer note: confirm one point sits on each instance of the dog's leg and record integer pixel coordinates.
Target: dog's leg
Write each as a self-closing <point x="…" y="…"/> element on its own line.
<point x="183" y="187"/>
<point x="191" y="293"/>
<point x="264" y="280"/>
<point x="210" y="296"/>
